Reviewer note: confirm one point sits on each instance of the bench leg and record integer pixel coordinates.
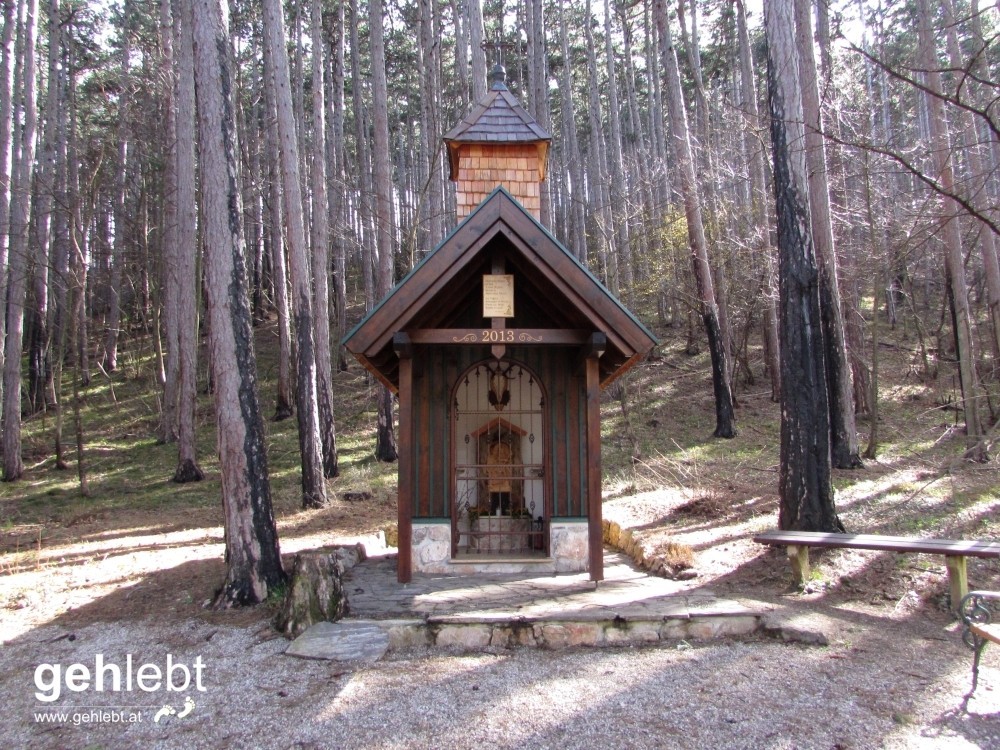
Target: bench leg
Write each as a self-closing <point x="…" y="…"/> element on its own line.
<point x="799" y="558"/>
<point x="958" y="578"/>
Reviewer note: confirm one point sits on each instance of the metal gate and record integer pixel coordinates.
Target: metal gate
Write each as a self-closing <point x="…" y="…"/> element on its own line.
<point x="499" y="463"/>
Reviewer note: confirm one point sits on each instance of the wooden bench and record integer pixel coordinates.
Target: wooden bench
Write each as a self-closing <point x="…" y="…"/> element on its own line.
<point x="979" y="628"/>
<point x="955" y="551"/>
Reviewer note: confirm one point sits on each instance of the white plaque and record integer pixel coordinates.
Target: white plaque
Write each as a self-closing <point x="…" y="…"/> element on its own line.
<point x="498" y="296"/>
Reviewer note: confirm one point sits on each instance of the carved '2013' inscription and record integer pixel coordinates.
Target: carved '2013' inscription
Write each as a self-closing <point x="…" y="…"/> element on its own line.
<point x="496" y="336"/>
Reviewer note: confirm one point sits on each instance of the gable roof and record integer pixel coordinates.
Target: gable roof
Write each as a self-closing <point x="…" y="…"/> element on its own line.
<point x="557" y="282"/>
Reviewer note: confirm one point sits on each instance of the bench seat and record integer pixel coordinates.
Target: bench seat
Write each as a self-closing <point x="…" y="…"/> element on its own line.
<point x="954" y="550"/>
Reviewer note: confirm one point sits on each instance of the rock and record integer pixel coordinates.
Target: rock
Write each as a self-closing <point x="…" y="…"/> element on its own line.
<point x="688" y="574"/>
<point x="351" y="641"/>
<point x="356" y="497"/>
<point x="391" y="535"/>
<point x="316" y="591"/>
<point x="786" y="631"/>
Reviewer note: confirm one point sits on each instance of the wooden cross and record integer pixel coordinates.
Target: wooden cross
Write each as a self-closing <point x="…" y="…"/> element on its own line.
<point x="497" y="45"/>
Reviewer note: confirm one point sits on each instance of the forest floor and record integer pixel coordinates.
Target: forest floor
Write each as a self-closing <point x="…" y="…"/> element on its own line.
<point x="135" y="563"/>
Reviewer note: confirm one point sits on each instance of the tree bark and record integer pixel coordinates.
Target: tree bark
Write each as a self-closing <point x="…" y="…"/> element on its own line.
<point x="170" y="315"/>
<point x="806" y="491"/>
<point x="724" y="414"/>
<point x="760" y="214"/>
<point x="20" y="211"/>
<point x="279" y="269"/>
<point x="385" y="444"/>
<point x="951" y="236"/>
<point x="314" y="493"/>
<point x="252" y="554"/>
<point x="321" y="250"/>
<point x="187" y="260"/>
<point x="843" y="430"/>
<point x="109" y="354"/>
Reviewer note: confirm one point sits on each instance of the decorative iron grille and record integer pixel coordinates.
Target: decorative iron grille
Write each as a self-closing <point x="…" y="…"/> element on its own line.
<point x="499" y="468"/>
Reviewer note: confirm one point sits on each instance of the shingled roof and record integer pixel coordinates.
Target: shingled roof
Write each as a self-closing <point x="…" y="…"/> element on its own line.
<point x="498" y="118"/>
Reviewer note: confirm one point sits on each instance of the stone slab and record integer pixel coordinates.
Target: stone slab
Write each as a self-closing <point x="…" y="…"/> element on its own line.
<point x="344" y="641"/>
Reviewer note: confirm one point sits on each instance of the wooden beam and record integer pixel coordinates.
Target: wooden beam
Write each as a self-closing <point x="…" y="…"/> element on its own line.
<point x="958" y="578"/>
<point x="595" y="531"/>
<point x="509" y="336"/>
<point x="593" y="348"/>
<point x="798" y="556"/>
<point x="404" y="567"/>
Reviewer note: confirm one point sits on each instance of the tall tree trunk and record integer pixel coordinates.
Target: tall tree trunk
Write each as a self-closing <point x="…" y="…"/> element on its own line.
<point x="17" y="267"/>
<point x="11" y="20"/>
<point x="385" y="444"/>
<point x="252" y="554"/>
<point x="951" y="236"/>
<point x="597" y="177"/>
<point x="474" y="9"/>
<point x="279" y="269"/>
<point x="314" y="493"/>
<point x="39" y="372"/>
<point x="109" y="354"/>
<point x="806" y="490"/>
<point x="169" y="279"/>
<point x="760" y="215"/>
<point x="321" y="250"/>
<point x="724" y="415"/>
<point x="187" y="259"/>
<point x="616" y="167"/>
<point x="336" y="158"/>
<point x="979" y="175"/>
<point x="843" y="431"/>
<point x="577" y="193"/>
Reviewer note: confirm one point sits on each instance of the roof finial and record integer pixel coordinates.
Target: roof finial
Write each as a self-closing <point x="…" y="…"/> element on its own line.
<point x="498" y="75"/>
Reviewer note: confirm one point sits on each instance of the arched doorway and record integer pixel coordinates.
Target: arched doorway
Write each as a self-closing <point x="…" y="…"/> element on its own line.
<point x="500" y="503"/>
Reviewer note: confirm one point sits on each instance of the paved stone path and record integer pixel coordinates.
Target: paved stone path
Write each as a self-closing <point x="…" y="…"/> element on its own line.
<point x="626" y="593"/>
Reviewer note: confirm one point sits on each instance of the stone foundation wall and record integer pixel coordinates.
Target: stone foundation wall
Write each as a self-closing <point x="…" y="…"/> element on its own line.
<point x="432" y="552"/>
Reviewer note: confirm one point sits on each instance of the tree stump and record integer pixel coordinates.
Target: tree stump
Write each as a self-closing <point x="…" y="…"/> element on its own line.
<point x="316" y="590"/>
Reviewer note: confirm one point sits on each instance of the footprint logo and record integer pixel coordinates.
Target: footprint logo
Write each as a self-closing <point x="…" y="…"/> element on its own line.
<point x="188" y="707"/>
<point x="168" y="711"/>
<point x="165" y="711"/>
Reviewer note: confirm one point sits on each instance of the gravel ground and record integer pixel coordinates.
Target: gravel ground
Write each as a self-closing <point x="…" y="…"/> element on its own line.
<point x="870" y="688"/>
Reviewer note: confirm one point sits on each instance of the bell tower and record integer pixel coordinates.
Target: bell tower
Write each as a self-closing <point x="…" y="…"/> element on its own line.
<point x="498" y="144"/>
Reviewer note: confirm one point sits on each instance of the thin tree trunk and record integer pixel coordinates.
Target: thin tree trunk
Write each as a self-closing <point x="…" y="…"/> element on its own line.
<point x="279" y="269"/>
<point x="760" y="214"/>
<point x="475" y="10"/>
<point x="724" y="414"/>
<point x="109" y="354"/>
<point x="169" y="251"/>
<point x="321" y="251"/>
<point x="385" y="444"/>
<point x="187" y="260"/>
<point x="253" y="559"/>
<point x="951" y="237"/>
<point x="979" y="175"/>
<point x="20" y="211"/>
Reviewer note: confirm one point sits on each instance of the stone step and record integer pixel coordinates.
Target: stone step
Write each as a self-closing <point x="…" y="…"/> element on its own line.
<point x="353" y="640"/>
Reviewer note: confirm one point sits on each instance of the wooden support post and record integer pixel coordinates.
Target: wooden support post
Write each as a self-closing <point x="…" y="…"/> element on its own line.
<point x="404" y="350"/>
<point x="958" y="578"/>
<point x="799" y="558"/>
<point x="595" y="530"/>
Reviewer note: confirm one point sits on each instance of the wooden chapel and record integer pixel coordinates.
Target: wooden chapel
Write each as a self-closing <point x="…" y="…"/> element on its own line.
<point x="498" y="344"/>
